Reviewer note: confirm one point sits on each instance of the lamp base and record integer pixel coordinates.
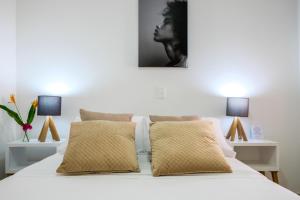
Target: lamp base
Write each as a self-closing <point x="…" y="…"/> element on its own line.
<point x="236" y="125"/>
<point x="49" y="123"/>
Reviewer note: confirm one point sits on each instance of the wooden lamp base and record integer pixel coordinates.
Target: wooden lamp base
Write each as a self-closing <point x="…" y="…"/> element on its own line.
<point x="236" y="125"/>
<point x="49" y="123"/>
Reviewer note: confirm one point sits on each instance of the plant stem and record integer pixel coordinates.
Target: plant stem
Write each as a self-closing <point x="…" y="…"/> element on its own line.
<point x="18" y="112"/>
<point x="25" y="135"/>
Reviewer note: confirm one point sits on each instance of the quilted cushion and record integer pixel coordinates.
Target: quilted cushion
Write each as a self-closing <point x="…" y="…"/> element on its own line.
<point x="100" y="146"/>
<point x="158" y="118"/>
<point x="89" y="115"/>
<point x="185" y="147"/>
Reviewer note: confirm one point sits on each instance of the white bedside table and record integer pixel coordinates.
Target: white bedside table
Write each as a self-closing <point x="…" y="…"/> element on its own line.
<point x="261" y="155"/>
<point x="22" y="154"/>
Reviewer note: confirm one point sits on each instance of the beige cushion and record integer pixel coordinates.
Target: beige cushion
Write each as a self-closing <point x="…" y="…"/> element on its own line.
<point x="185" y="147"/>
<point x="100" y="146"/>
<point x="157" y="118"/>
<point x="88" y="115"/>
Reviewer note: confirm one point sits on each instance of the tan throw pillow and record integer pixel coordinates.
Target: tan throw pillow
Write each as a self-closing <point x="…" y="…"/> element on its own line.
<point x="157" y="118"/>
<point x="88" y="115"/>
<point x="100" y="146"/>
<point x="185" y="147"/>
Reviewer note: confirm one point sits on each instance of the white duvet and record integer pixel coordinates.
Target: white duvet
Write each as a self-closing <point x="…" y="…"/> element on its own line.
<point x="40" y="182"/>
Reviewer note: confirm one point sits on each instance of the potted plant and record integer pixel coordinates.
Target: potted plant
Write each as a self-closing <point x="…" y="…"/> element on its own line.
<point x="26" y="125"/>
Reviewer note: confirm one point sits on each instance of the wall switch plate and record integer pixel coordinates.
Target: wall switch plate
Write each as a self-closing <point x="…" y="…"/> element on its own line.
<point x="160" y="93"/>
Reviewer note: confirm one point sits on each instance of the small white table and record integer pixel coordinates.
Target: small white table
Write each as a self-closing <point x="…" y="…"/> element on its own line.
<point x="261" y="155"/>
<point x="21" y="154"/>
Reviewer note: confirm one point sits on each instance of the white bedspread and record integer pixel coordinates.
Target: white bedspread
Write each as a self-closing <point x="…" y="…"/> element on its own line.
<point x="40" y="182"/>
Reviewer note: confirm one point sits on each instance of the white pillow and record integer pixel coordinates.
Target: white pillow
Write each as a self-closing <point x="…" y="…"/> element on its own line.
<point x="62" y="147"/>
<point x="147" y="145"/>
<point x="140" y="133"/>
<point x="77" y="119"/>
<point x="226" y="148"/>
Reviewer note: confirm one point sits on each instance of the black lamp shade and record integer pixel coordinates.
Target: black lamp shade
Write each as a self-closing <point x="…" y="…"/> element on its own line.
<point x="49" y="105"/>
<point x="237" y="107"/>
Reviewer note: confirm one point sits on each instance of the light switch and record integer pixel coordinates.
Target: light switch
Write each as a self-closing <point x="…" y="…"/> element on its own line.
<point x="160" y="93"/>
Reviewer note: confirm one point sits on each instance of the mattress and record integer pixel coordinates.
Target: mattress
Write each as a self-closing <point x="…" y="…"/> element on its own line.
<point x="40" y="181"/>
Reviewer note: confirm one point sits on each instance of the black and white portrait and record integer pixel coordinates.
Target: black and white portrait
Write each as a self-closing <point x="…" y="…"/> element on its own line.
<point x="163" y="33"/>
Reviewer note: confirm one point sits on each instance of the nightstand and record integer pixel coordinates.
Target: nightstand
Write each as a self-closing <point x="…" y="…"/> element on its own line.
<point x="22" y="154"/>
<point x="261" y="155"/>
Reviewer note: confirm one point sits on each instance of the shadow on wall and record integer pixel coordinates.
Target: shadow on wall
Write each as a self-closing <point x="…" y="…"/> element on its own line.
<point x="7" y="134"/>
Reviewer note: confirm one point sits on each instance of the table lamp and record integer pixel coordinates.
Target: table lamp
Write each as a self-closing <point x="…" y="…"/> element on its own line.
<point x="49" y="106"/>
<point x="237" y="107"/>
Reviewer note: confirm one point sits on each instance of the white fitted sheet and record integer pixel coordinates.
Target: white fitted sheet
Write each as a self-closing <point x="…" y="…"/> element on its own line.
<point x="40" y="181"/>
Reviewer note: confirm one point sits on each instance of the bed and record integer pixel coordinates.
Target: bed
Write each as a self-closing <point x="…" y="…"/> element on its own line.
<point x="40" y="181"/>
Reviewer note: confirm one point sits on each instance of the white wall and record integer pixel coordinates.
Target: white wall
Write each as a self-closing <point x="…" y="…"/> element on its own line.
<point x="7" y="71"/>
<point x="89" y="49"/>
<point x="299" y="34"/>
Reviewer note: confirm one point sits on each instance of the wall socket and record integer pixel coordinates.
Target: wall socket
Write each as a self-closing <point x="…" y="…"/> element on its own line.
<point x="160" y="93"/>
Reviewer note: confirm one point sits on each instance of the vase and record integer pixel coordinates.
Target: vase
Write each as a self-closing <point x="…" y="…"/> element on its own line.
<point x="25" y="137"/>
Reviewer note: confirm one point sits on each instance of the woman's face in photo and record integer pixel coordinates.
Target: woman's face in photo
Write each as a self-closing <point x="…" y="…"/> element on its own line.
<point x="164" y="32"/>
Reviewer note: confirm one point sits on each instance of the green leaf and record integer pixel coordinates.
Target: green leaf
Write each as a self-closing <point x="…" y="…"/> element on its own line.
<point x="12" y="114"/>
<point x="31" y="114"/>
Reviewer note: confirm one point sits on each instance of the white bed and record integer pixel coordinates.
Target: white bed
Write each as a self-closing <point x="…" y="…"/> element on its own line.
<point x="40" y="181"/>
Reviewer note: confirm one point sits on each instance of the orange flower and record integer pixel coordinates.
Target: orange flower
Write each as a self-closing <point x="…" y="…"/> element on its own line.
<point x="35" y="103"/>
<point x="12" y="99"/>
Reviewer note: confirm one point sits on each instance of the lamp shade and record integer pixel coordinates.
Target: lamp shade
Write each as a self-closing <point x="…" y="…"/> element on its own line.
<point x="237" y="107"/>
<point x="49" y="105"/>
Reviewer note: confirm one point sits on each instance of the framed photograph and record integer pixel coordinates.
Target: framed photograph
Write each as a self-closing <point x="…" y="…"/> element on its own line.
<point x="256" y="132"/>
<point x="163" y="36"/>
